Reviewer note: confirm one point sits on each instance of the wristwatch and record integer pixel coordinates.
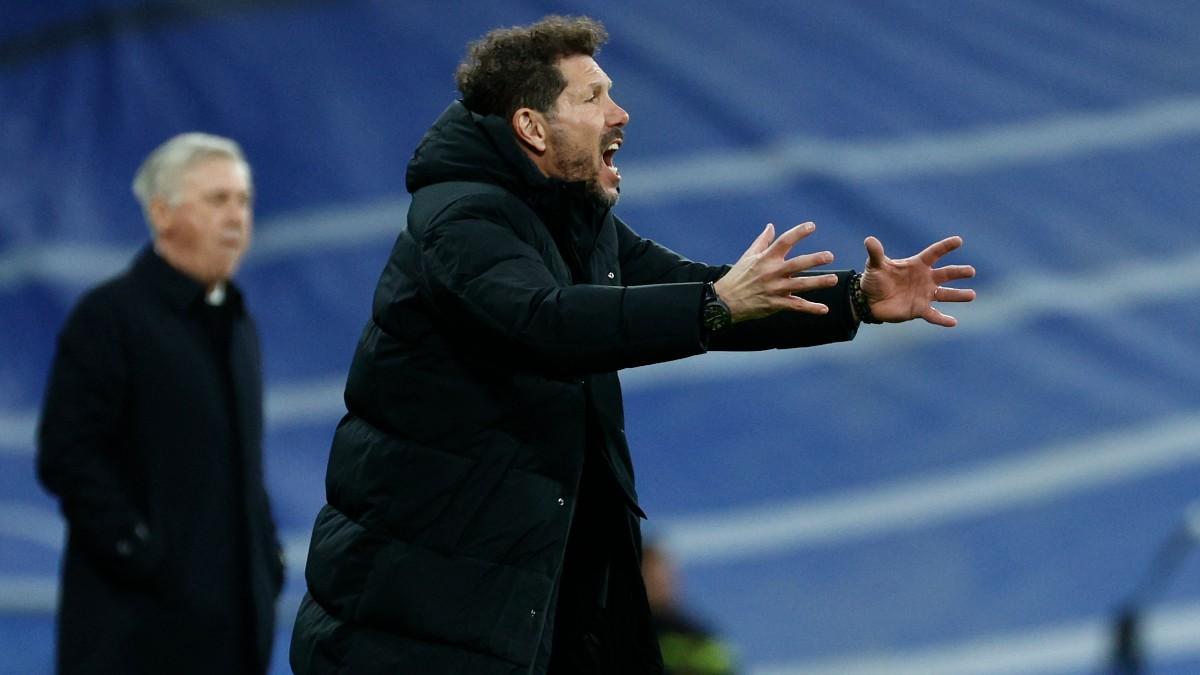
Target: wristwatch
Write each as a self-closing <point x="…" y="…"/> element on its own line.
<point x="714" y="313"/>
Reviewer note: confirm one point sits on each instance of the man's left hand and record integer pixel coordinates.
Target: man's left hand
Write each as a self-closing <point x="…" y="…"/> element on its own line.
<point x="904" y="289"/>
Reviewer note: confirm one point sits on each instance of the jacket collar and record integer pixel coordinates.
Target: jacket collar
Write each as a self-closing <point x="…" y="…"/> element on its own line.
<point x="555" y="200"/>
<point x="464" y="145"/>
<point x="538" y="188"/>
<point x="175" y="288"/>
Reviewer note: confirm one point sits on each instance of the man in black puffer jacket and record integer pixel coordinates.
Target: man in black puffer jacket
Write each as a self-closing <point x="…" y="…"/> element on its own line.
<point x="481" y="512"/>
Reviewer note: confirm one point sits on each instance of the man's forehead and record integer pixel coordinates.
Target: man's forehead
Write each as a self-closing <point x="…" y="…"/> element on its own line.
<point x="582" y="70"/>
<point x="216" y="172"/>
<point x="215" y="165"/>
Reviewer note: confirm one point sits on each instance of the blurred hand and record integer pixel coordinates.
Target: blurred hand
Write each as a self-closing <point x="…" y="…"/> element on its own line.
<point x="761" y="282"/>
<point x="900" y="290"/>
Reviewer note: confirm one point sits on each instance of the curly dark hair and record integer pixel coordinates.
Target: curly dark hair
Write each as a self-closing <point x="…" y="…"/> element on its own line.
<point x="513" y="68"/>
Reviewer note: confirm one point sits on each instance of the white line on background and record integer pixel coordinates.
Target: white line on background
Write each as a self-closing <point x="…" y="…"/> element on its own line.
<point x="1169" y="634"/>
<point x="1104" y="292"/>
<point x="932" y="498"/>
<point x="947" y="152"/>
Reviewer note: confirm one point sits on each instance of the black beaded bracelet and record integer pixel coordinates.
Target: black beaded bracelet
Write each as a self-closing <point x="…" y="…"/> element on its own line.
<point x="859" y="299"/>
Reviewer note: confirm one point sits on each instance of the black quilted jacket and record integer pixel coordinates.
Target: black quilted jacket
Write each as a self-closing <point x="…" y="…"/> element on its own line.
<point x="499" y="322"/>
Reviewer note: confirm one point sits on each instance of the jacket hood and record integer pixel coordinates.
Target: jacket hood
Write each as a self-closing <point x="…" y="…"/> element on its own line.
<point x="465" y="146"/>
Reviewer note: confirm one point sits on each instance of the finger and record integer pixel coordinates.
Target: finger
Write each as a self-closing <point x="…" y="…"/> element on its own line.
<point x="875" y="256"/>
<point x="788" y="239"/>
<point x="804" y="284"/>
<point x="807" y="261"/>
<point x="796" y="304"/>
<point x="933" y="252"/>
<point x="764" y="238"/>
<point x="951" y="272"/>
<point x="933" y="316"/>
<point x="943" y="294"/>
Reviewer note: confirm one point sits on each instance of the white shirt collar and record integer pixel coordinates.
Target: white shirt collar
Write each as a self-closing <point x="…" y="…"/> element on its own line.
<point x="216" y="297"/>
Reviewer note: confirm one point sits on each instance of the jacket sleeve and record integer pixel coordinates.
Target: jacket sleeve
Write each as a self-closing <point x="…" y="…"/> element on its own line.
<point x="785" y="330"/>
<point x="644" y="261"/>
<point x="80" y="445"/>
<point x="480" y="271"/>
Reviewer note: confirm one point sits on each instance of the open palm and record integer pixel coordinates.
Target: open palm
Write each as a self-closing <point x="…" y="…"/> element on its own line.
<point x="906" y="288"/>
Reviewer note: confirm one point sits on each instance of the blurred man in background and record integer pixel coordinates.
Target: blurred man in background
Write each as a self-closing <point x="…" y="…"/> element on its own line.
<point x="481" y="512"/>
<point x="151" y="436"/>
<point x="688" y="646"/>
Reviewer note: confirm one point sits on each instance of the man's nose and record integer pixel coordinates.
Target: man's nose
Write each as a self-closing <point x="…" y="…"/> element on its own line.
<point x="617" y="116"/>
<point x="237" y="214"/>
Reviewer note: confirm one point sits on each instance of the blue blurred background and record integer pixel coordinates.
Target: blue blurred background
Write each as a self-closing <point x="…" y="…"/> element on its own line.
<point x="976" y="500"/>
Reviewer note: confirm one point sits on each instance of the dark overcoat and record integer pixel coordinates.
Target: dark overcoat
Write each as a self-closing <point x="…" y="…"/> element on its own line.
<point x="487" y="369"/>
<point x="153" y="448"/>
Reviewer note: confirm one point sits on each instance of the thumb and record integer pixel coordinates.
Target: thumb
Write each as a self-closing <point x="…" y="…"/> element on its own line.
<point x="875" y="256"/>
<point x="763" y="240"/>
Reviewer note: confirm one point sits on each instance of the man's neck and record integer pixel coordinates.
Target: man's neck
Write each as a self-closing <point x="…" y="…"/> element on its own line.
<point x="182" y="264"/>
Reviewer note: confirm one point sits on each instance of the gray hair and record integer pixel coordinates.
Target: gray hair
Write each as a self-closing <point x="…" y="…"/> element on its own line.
<point x="160" y="173"/>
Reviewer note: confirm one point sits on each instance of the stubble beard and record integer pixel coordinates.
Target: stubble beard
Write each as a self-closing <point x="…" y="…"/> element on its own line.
<point x="576" y="164"/>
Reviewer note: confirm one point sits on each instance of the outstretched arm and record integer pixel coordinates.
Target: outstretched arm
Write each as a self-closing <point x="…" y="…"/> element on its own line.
<point x="764" y="280"/>
<point x="824" y="313"/>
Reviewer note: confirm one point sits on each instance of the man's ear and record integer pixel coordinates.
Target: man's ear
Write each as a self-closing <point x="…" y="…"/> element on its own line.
<point x="160" y="215"/>
<point x="531" y="129"/>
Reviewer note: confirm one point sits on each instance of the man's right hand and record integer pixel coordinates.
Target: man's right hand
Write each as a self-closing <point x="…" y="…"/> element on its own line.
<point x="762" y="281"/>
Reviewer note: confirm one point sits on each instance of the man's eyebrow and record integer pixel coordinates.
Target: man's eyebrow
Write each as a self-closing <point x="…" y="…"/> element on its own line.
<point x="599" y="83"/>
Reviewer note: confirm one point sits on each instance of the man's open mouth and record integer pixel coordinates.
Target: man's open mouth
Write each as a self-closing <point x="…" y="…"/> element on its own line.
<point x="608" y="154"/>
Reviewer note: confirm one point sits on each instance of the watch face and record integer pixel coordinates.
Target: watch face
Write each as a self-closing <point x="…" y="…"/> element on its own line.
<point x="716" y="316"/>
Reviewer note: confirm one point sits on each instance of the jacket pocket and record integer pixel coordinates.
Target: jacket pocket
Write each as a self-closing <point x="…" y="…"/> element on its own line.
<point x="479" y="605"/>
<point x="523" y="521"/>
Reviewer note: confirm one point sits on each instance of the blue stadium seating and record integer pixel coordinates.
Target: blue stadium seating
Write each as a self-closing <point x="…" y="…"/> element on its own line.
<point x="977" y="500"/>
